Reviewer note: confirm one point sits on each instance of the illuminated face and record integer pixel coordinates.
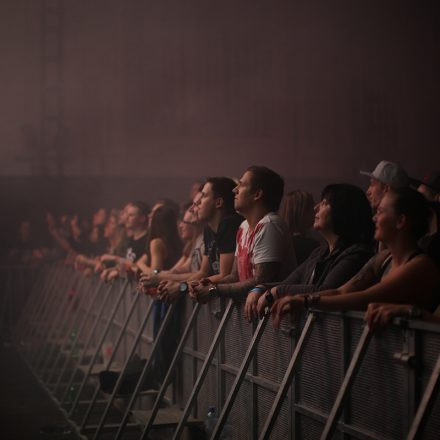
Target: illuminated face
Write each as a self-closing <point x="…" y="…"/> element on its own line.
<point x="323" y="219"/>
<point x="133" y="218"/>
<point x="99" y="217"/>
<point x="110" y="226"/>
<point x="385" y="220"/>
<point x="244" y="195"/>
<point x="206" y="207"/>
<point x="375" y="192"/>
<point x="186" y="226"/>
<point x="123" y="215"/>
<point x="194" y="209"/>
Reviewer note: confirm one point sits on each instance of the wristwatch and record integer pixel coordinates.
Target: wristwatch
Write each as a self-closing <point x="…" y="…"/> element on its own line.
<point x="183" y="287"/>
<point x="213" y="291"/>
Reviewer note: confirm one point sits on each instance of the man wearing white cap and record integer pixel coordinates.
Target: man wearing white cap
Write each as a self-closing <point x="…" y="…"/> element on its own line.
<point x="386" y="175"/>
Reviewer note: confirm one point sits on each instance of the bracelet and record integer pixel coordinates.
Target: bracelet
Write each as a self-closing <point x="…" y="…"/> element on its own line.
<point x="258" y="289"/>
<point x="311" y="301"/>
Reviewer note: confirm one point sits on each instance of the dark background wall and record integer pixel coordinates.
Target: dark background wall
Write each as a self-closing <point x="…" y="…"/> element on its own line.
<point x="157" y="93"/>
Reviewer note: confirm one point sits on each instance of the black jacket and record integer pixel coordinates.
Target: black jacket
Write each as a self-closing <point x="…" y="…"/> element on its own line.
<point x="322" y="271"/>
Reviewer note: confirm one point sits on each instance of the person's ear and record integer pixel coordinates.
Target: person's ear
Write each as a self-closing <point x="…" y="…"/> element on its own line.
<point x="258" y="194"/>
<point x="402" y="221"/>
<point x="219" y="202"/>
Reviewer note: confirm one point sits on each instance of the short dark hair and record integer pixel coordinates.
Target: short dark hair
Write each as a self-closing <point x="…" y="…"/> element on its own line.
<point x="415" y="207"/>
<point x="351" y="214"/>
<point x="223" y="187"/>
<point x="271" y="183"/>
<point x="143" y="207"/>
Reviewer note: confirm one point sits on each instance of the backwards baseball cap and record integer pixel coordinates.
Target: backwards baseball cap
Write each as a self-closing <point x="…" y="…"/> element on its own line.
<point x="389" y="173"/>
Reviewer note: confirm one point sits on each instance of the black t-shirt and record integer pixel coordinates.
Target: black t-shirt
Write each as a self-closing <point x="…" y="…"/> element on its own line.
<point x="136" y="248"/>
<point x="221" y="242"/>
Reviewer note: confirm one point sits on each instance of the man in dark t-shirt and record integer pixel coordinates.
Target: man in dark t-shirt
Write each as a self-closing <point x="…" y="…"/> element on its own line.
<point x="215" y="208"/>
<point x="136" y="225"/>
<point x="223" y="241"/>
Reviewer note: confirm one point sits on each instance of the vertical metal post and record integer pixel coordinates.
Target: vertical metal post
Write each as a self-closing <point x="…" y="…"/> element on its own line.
<point x="70" y="325"/>
<point x="112" y="357"/>
<point x="350" y="375"/>
<point x="52" y="146"/>
<point x="47" y="293"/>
<point x="239" y="378"/>
<point x="99" y="345"/>
<point x="86" y="346"/>
<point x="287" y="379"/>
<point x="124" y="369"/>
<point x="157" y="341"/>
<point x="29" y="307"/>
<point x="74" y="342"/>
<point x="59" y="309"/>
<point x="204" y="371"/>
<point x="170" y="371"/>
<point x="426" y="404"/>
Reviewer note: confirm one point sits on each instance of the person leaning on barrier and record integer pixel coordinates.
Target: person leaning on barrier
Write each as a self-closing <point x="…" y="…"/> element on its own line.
<point x="190" y="261"/>
<point x="136" y="216"/>
<point x="264" y="249"/>
<point x="215" y="209"/>
<point x="401" y="274"/>
<point x="163" y="247"/>
<point x="343" y="218"/>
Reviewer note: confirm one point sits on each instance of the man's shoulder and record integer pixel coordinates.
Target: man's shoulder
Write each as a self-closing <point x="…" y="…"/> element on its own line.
<point x="273" y="221"/>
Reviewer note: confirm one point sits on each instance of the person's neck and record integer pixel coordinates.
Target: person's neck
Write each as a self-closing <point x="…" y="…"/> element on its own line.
<point x="138" y="233"/>
<point x="331" y="238"/>
<point x="401" y="249"/>
<point x="214" y="222"/>
<point x="255" y="214"/>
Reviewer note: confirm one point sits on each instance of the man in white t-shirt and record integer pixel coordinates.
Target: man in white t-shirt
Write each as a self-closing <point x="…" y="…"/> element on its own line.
<point x="264" y="251"/>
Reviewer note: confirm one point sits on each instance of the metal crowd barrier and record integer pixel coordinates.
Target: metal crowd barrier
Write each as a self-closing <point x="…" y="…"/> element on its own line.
<point x="324" y="377"/>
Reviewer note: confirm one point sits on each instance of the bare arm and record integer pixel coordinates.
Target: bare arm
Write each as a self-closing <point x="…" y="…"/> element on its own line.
<point x="264" y="272"/>
<point x="226" y="263"/>
<point x="412" y="283"/>
<point x="142" y="264"/>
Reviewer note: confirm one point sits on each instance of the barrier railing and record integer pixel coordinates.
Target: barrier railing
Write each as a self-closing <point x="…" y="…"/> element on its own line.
<point x="324" y="377"/>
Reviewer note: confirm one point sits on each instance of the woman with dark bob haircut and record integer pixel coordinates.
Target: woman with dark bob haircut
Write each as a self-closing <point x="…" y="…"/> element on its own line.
<point x="343" y="218"/>
<point x="401" y="274"/>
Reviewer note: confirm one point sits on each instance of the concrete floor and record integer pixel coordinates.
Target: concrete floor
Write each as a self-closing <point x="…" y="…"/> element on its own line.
<point x="25" y="407"/>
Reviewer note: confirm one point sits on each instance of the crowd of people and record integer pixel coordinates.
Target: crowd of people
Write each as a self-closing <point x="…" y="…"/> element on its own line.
<point x="376" y="251"/>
